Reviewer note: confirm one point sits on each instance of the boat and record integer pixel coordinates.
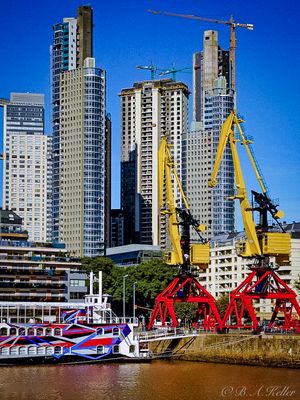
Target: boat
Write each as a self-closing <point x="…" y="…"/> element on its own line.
<point x="65" y="332"/>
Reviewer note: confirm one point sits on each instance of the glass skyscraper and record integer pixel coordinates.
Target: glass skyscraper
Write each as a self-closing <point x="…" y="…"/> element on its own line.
<point x="78" y="127"/>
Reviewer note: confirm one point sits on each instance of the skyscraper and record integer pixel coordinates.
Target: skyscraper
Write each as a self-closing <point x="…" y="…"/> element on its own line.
<point x="213" y="101"/>
<point x="27" y="165"/>
<point x="149" y="110"/>
<point x="78" y="126"/>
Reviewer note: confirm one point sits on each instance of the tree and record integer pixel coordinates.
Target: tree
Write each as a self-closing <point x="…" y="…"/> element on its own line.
<point x="151" y="278"/>
<point x="222" y="303"/>
<point x="186" y="312"/>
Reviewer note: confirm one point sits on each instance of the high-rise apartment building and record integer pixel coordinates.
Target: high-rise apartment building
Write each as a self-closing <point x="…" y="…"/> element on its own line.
<point x="78" y="126"/>
<point x="213" y="101"/>
<point x="149" y="110"/>
<point x="27" y="166"/>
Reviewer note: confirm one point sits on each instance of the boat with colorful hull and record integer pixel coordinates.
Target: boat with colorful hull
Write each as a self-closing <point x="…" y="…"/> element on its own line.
<point x="66" y="332"/>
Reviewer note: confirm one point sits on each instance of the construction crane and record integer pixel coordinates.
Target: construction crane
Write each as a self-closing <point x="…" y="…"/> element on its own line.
<point x="268" y="247"/>
<point x="184" y="288"/>
<point x="152" y="68"/>
<point x="232" y="25"/>
<point x="173" y="71"/>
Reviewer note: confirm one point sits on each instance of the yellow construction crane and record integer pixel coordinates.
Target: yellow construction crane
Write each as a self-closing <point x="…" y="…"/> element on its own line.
<point x="232" y="25"/>
<point x="183" y="254"/>
<point x="260" y="243"/>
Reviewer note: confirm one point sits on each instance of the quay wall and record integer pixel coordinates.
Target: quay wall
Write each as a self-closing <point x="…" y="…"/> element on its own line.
<point x="262" y="350"/>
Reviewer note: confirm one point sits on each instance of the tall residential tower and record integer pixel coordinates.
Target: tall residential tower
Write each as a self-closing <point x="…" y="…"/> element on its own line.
<point x="149" y="110"/>
<point x="78" y="126"/>
<point x="27" y="184"/>
<point x="213" y="101"/>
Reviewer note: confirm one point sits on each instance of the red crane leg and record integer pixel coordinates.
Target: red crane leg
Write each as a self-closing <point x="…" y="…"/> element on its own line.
<point x="186" y="289"/>
<point x="262" y="283"/>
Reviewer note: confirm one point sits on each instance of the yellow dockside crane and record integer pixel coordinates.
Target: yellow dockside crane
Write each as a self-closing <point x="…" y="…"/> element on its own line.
<point x="268" y="247"/>
<point x="185" y="256"/>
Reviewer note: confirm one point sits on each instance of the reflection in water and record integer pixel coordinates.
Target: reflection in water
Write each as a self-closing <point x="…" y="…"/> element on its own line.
<point x="155" y="381"/>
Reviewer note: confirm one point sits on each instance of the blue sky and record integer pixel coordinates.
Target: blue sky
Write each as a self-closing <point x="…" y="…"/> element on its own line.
<point x="126" y="35"/>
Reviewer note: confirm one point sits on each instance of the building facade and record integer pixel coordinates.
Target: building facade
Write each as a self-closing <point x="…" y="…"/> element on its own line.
<point x="117" y="228"/>
<point x="27" y="165"/>
<point x="31" y="271"/>
<point x="149" y="110"/>
<point x="79" y="143"/>
<point x="213" y="101"/>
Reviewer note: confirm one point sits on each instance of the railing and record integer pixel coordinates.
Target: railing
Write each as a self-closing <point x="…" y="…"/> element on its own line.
<point x="166" y="333"/>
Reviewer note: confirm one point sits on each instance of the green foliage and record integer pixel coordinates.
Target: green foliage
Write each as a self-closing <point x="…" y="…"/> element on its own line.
<point x="151" y="278"/>
<point x="222" y="303"/>
<point x="186" y="312"/>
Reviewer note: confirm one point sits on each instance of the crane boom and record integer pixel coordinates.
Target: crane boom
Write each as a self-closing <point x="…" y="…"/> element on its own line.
<point x="183" y="254"/>
<point x="227" y="135"/>
<point x="260" y="243"/>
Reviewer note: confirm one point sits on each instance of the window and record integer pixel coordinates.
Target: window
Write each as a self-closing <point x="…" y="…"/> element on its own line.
<point x="131" y="348"/>
<point x="57" y="331"/>
<point x="116" y="332"/>
<point x="100" y="331"/>
<point x="100" y="350"/>
<point x="32" y="350"/>
<point x="116" y="349"/>
<point x="49" y="350"/>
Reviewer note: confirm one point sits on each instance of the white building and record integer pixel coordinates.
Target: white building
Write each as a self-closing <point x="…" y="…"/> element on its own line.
<point x="227" y="271"/>
<point x="149" y="110"/>
<point x="27" y="164"/>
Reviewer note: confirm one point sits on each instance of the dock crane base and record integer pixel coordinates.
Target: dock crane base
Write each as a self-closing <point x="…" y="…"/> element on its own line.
<point x="186" y="289"/>
<point x="262" y="284"/>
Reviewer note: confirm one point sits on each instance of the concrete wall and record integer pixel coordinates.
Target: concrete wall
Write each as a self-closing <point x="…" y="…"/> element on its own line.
<point x="263" y="350"/>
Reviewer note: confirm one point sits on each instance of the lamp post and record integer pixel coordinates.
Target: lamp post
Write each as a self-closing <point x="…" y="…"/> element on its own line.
<point x="134" y="300"/>
<point x="124" y="299"/>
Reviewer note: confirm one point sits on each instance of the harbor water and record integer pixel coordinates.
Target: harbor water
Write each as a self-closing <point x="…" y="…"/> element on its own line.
<point x="158" y="380"/>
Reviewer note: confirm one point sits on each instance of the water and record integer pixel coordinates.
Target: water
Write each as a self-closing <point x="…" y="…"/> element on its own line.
<point x="156" y="381"/>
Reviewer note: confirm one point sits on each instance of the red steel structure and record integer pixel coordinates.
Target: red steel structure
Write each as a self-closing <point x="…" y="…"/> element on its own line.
<point x="186" y="289"/>
<point x="262" y="284"/>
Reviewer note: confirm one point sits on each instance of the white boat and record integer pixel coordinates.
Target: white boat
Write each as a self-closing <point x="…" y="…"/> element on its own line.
<point x="40" y="332"/>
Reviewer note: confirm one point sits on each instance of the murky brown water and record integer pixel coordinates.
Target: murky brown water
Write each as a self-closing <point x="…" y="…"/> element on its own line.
<point x="156" y="381"/>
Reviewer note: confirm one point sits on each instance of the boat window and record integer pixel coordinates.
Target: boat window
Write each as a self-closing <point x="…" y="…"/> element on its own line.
<point x="4" y="350"/>
<point x="57" y="350"/>
<point x="57" y="331"/>
<point x="32" y="350"/>
<point x="30" y="332"/>
<point x="100" y="349"/>
<point x="40" y="332"/>
<point x="116" y="349"/>
<point x="132" y="348"/>
<point x="49" y="331"/>
<point x="23" y="350"/>
<point x="41" y="350"/>
<point x="49" y="350"/>
<point x="21" y="331"/>
<point x="100" y="331"/>
<point x="116" y="331"/>
<point x="13" y="350"/>
<point x="3" y="331"/>
<point x="13" y="331"/>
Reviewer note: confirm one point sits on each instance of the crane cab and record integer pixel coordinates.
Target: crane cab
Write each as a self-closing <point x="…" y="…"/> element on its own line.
<point x="273" y="244"/>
